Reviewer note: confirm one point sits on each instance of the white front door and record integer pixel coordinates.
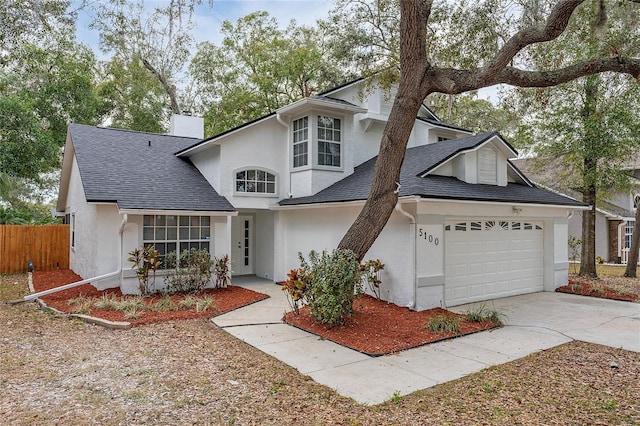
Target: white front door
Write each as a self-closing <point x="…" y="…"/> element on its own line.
<point x="487" y="259"/>
<point x="242" y="245"/>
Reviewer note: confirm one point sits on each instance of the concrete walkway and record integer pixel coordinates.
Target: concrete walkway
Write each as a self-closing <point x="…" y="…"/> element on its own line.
<point x="534" y="322"/>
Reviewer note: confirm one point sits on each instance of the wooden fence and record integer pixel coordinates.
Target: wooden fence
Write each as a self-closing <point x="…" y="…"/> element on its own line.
<point x="47" y="246"/>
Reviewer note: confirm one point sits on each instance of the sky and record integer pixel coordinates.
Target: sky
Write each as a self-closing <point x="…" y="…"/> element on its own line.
<point x="208" y="20"/>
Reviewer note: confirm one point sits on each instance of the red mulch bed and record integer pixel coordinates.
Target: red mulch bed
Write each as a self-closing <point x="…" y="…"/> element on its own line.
<point x="379" y="328"/>
<point x="583" y="288"/>
<point x="225" y="300"/>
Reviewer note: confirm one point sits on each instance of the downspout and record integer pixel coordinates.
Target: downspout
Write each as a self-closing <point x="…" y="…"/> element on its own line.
<point x="286" y="126"/>
<point x="412" y="249"/>
<point x="79" y="283"/>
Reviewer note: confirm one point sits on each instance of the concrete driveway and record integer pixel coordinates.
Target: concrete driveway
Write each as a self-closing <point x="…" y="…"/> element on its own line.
<point x="533" y="322"/>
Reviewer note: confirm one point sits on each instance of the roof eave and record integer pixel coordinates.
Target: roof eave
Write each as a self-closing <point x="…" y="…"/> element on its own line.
<point x="309" y="102"/>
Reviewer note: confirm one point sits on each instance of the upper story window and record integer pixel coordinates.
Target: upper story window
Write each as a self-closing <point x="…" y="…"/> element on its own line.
<point x="255" y="181"/>
<point x="301" y="142"/>
<point x="317" y="141"/>
<point x="487" y="165"/>
<point x="636" y="201"/>
<point x="329" y="139"/>
<point x="443" y="138"/>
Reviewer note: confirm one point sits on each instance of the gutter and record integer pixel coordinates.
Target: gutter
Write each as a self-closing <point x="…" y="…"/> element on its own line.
<point x="412" y="233"/>
<point x="115" y="273"/>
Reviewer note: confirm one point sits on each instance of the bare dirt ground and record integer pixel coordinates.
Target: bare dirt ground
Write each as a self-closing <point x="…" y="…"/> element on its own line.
<point x="59" y="371"/>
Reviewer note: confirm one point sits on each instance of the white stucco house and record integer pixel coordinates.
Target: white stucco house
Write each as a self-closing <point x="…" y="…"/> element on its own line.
<point x="615" y="215"/>
<point x="468" y="226"/>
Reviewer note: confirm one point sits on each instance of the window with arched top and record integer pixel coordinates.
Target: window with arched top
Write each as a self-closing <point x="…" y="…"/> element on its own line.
<point x="255" y="181"/>
<point x="636" y="201"/>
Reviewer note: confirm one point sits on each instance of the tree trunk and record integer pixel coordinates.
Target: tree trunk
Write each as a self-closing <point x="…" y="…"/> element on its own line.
<point x="588" y="252"/>
<point x="632" y="260"/>
<point x="383" y="195"/>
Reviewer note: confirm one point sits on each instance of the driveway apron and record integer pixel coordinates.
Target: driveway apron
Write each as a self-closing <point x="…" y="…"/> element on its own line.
<point x="533" y="322"/>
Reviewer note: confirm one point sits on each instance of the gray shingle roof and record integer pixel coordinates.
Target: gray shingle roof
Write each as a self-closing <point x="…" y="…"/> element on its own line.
<point x="140" y="171"/>
<point x="424" y="158"/>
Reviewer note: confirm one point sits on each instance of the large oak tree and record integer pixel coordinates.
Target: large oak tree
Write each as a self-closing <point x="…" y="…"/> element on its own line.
<point x="419" y="77"/>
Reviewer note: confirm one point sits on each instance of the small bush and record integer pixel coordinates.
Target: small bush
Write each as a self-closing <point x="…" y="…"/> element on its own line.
<point x="146" y="261"/>
<point x="190" y="272"/>
<point x="370" y="271"/>
<point x="222" y="271"/>
<point x="482" y="313"/>
<point x="335" y="281"/>
<point x="298" y="286"/>
<point x="444" y="324"/>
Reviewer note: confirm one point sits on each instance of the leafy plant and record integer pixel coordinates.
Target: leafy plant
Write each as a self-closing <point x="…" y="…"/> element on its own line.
<point x="146" y="260"/>
<point x="334" y="284"/>
<point x="81" y="304"/>
<point x="370" y="271"/>
<point x="222" y="271"/>
<point x="444" y="324"/>
<point x="396" y="398"/>
<point x="164" y="305"/>
<point x="297" y="286"/>
<point x="204" y="304"/>
<point x="483" y="313"/>
<point x="190" y="272"/>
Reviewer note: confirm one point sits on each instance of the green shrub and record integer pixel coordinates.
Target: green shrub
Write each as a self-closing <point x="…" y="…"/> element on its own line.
<point x="444" y="324"/>
<point x="189" y="273"/>
<point x="335" y="279"/>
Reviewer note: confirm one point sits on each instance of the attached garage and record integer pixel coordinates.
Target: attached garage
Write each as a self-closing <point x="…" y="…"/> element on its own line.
<point x="488" y="259"/>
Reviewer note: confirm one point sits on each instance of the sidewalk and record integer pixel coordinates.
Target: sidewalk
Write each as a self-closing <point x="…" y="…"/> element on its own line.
<point x="534" y="322"/>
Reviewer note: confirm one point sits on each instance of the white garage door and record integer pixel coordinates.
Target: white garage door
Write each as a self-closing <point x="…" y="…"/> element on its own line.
<point x="487" y="259"/>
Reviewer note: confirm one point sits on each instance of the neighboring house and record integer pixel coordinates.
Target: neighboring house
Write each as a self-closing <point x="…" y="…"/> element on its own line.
<point x="615" y="217"/>
<point x="468" y="225"/>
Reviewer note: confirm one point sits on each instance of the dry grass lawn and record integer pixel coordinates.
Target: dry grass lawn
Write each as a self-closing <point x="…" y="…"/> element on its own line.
<point x="59" y="371"/>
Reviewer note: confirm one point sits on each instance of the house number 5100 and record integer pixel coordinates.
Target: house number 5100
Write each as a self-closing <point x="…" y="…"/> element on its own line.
<point x="428" y="237"/>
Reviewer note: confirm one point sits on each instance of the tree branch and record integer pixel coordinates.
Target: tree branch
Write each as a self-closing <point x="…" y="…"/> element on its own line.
<point x="555" y="25"/>
<point x="522" y="78"/>
<point x="454" y="81"/>
<point x="170" y="89"/>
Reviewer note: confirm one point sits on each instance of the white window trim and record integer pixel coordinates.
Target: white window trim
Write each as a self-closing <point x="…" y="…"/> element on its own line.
<point x="308" y="141"/>
<point x="178" y="240"/>
<point x="317" y="140"/>
<point x="72" y="227"/>
<point x="312" y="142"/>
<point x="237" y="193"/>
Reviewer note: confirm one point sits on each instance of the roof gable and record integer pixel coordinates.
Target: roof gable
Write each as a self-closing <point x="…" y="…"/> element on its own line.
<point x="415" y="179"/>
<point x="139" y="171"/>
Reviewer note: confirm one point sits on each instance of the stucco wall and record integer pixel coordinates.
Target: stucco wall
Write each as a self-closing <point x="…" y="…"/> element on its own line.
<point x="322" y="228"/>
<point x="82" y="257"/>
